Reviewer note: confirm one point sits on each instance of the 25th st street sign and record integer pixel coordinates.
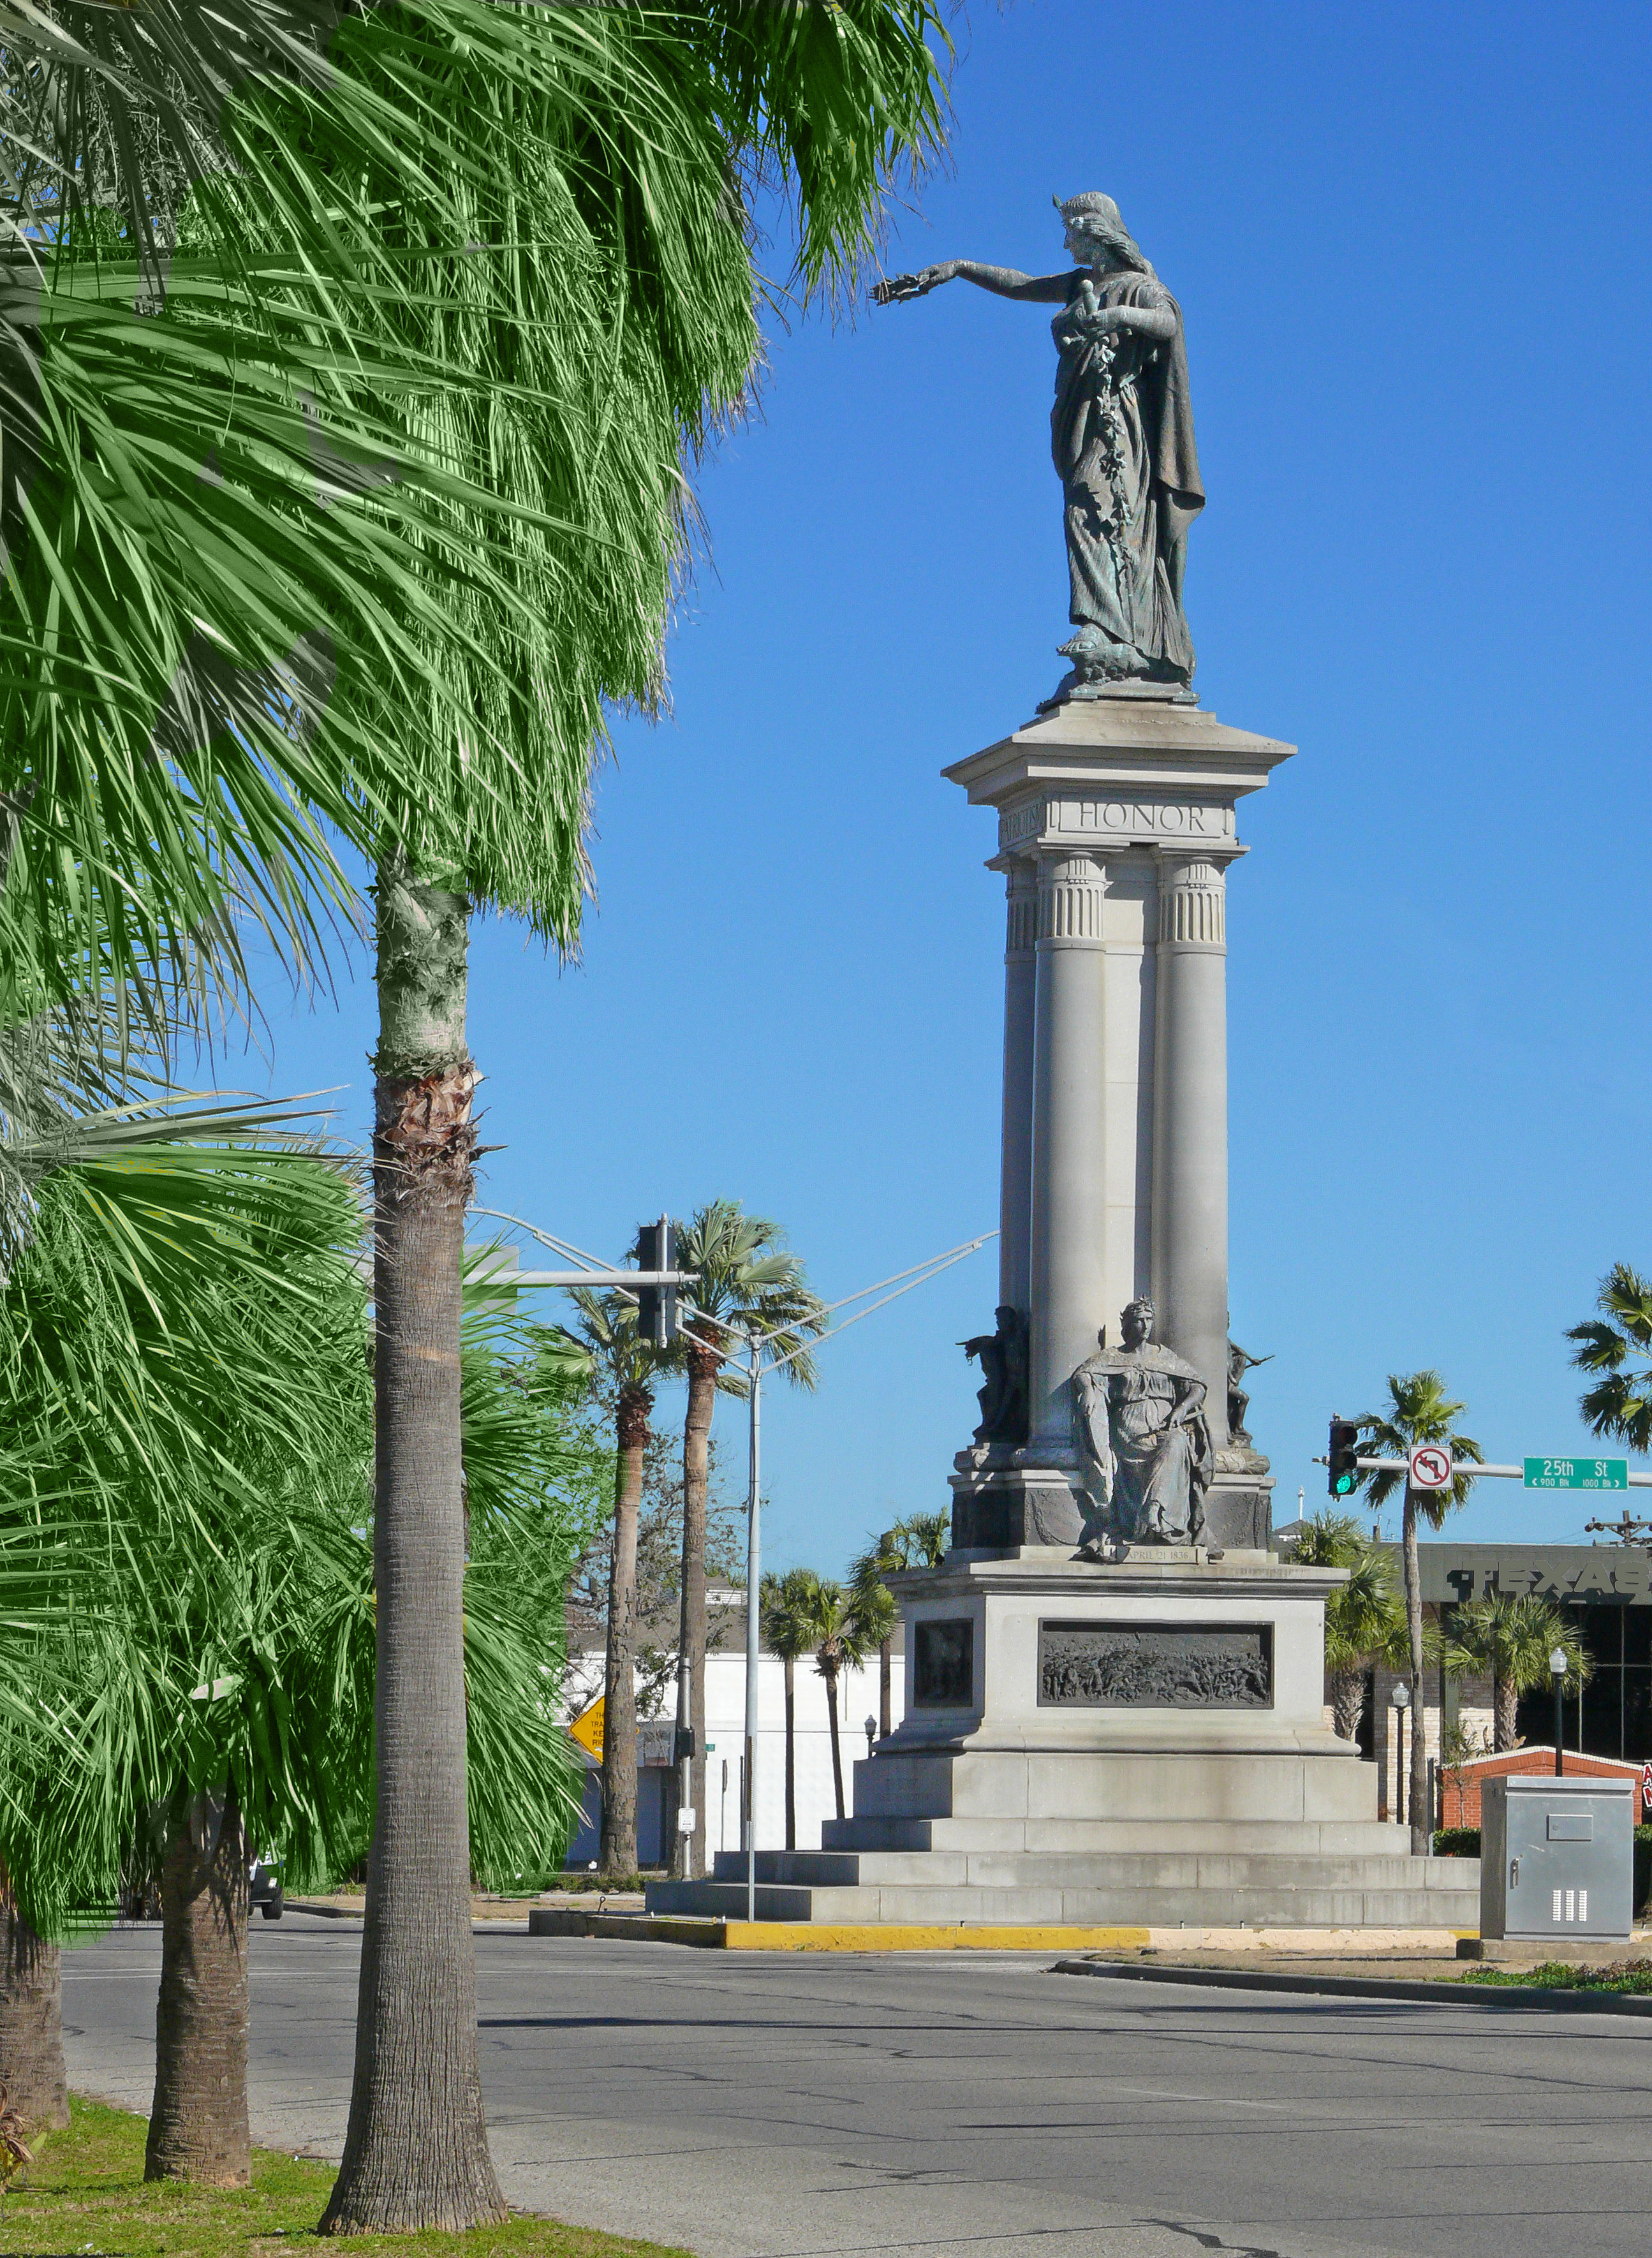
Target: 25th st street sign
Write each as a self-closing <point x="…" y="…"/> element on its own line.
<point x="1577" y="1473"/>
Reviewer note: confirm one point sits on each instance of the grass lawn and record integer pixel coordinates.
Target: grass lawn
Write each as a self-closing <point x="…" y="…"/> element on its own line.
<point x="85" y="2193"/>
<point x="1566" y="1975"/>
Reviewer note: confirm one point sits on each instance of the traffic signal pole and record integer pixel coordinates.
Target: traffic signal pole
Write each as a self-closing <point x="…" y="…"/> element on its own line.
<point x="753" y="1628"/>
<point x="757" y="1366"/>
<point x="658" y="1241"/>
<point x="1473" y="1473"/>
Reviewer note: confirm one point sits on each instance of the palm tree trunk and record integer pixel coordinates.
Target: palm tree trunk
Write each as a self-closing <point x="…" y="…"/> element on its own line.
<point x="688" y="1852"/>
<point x="883" y="1710"/>
<point x="416" y="2154"/>
<point x="198" y="2123"/>
<point x="1505" y="1701"/>
<point x="619" y="1692"/>
<point x="791" y="1753"/>
<point x="31" y="2021"/>
<point x="1420" y="1817"/>
<point x="831" y="1677"/>
<point x="1348" y="1699"/>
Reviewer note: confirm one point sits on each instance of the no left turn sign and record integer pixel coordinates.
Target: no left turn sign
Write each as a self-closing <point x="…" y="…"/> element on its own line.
<point x="1430" y="1467"/>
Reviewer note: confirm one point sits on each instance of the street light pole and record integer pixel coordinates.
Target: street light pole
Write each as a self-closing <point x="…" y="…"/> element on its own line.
<point x="754" y="1584"/>
<point x="903" y="1281"/>
<point x="625" y="1283"/>
<point x="1557" y="1672"/>
<point x="1401" y="1699"/>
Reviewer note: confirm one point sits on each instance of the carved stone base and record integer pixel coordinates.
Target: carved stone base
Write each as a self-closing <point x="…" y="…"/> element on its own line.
<point x="1238" y="1507"/>
<point x="1083" y="685"/>
<point x="1002" y="1508"/>
<point x="1133" y="1742"/>
<point x="999" y="1508"/>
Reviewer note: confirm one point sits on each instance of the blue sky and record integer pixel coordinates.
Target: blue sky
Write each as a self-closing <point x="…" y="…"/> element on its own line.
<point x="1411" y="248"/>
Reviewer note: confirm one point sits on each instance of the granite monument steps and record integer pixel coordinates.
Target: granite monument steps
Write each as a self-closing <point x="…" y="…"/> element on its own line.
<point x="1138" y="1741"/>
<point x="1145" y="1890"/>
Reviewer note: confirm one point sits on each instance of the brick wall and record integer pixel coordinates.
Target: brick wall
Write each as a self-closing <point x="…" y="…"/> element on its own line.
<point x="1461" y="1787"/>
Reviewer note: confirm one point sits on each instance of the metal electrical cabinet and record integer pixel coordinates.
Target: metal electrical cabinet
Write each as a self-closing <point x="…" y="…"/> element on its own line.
<point x="1556" y="1856"/>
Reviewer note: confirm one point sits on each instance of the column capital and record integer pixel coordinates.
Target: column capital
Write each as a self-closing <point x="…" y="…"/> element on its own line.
<point x="1072" y="887"/>
<point x="1174" y="855"/>
<point x="1192" y="900"/>
<point x="1021" y="902"/>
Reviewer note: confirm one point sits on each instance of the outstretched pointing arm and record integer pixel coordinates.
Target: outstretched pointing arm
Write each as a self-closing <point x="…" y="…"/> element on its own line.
<point x="1002" y="282"/>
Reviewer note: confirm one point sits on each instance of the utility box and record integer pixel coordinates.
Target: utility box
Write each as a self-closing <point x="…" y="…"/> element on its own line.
<point x="1556" y="1857"/>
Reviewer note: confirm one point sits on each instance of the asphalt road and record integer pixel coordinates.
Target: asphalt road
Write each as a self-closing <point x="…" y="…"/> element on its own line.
<point x="962" y="2105"/>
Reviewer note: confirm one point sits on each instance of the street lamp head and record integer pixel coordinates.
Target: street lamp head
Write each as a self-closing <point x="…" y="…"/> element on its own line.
<point x="871" y="1734"/>
<point x="1402" y="1696"/>
<point x="1557" y="1662"/>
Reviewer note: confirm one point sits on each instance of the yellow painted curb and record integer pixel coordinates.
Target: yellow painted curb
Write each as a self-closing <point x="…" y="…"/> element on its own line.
<point x="893" y="1936"/>
<point x="717" y="1934"/>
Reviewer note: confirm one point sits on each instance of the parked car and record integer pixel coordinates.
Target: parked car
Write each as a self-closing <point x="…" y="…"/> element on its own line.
<point x="265" y="1881"/>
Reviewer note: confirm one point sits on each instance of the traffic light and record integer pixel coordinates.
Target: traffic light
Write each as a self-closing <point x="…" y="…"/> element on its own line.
<point x="1340" y="1452"/>
<point x="656" y="1305"/>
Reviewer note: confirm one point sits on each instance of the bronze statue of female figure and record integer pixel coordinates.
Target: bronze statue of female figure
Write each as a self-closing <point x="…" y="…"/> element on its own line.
<point x="1122" y="436"/>
<point x="1144" y="1441"/>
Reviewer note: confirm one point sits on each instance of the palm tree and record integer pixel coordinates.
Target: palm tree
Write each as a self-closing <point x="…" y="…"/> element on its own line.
<point x="1509" y="1637"/>
<point x="1418" y="1412"/>
<point x="1620" y="1403"/>
<point x="845" y="1627"/>
<point x="747" y="1284"/>
<point x="1365" y="1621"/>
<point x="920" y="1541"/>
<point x="788" y="1614"/>
<point x="277" y="568"/>
<point x="31" y="2021"/>
<point x="610" y="352"/>
<point x="630" y="1367"/>
<point x="568" y="188"/>
<point x="183" y="1332"/>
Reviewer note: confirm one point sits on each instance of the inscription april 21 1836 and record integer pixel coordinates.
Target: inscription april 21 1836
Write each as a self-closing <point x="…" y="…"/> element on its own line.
<point x="1156" y="1666"/>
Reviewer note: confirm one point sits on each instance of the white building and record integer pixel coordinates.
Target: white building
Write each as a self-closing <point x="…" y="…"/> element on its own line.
<point x="725" y="1740"/>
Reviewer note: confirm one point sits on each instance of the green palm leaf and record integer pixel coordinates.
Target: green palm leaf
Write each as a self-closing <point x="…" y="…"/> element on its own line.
<point x="1619" y="1404"/>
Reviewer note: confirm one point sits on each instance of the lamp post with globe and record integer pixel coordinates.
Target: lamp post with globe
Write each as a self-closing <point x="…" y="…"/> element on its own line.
<point x="1402" y="1700"/>
<point x="1557" y="1672"/>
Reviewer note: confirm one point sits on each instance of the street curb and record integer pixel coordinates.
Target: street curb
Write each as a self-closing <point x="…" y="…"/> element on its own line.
<point x="504" y="1927"/>
<point x="1458" y="1994"/>
<point x="718" y="1935"/>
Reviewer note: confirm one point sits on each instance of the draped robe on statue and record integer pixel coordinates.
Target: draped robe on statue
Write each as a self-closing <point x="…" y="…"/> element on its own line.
<point x="1145" y="1443"/>
<point x="1122" y="436"/>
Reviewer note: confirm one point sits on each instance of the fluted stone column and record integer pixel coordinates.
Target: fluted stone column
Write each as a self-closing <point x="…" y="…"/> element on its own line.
<point x="1020" y="992"/>
<point x="1118" y="814"/>
<point x="1190" y="1121"/>
<point x="1069" y="1174"/>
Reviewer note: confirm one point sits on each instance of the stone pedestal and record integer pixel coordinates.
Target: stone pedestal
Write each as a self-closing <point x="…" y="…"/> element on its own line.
<point x="1140" y="1741"/>
<point x="1116" y="824"/>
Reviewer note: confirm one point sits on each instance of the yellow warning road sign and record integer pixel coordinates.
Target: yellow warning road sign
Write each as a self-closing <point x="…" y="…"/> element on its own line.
<point x="588" y="1727"/>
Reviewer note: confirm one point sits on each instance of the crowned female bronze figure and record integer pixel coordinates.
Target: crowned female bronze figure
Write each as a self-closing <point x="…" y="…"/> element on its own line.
<point x="1122" y="436"/>
<point x="1143" y="1439"/>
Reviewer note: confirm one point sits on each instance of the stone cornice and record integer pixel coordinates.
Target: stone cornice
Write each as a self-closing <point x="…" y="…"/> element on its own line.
<point x="1108" y="746"/>
<point x="1049" y="1571"/>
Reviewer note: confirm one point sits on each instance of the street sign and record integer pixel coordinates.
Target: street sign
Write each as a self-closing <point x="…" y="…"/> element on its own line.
<point x="1577" y="1473"/>
<point x="586" y="1727"/>
<point x="1431" y="1467"/>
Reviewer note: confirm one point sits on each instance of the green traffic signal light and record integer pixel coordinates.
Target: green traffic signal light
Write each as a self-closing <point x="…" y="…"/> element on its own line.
<point x="1340" y="1454"/>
